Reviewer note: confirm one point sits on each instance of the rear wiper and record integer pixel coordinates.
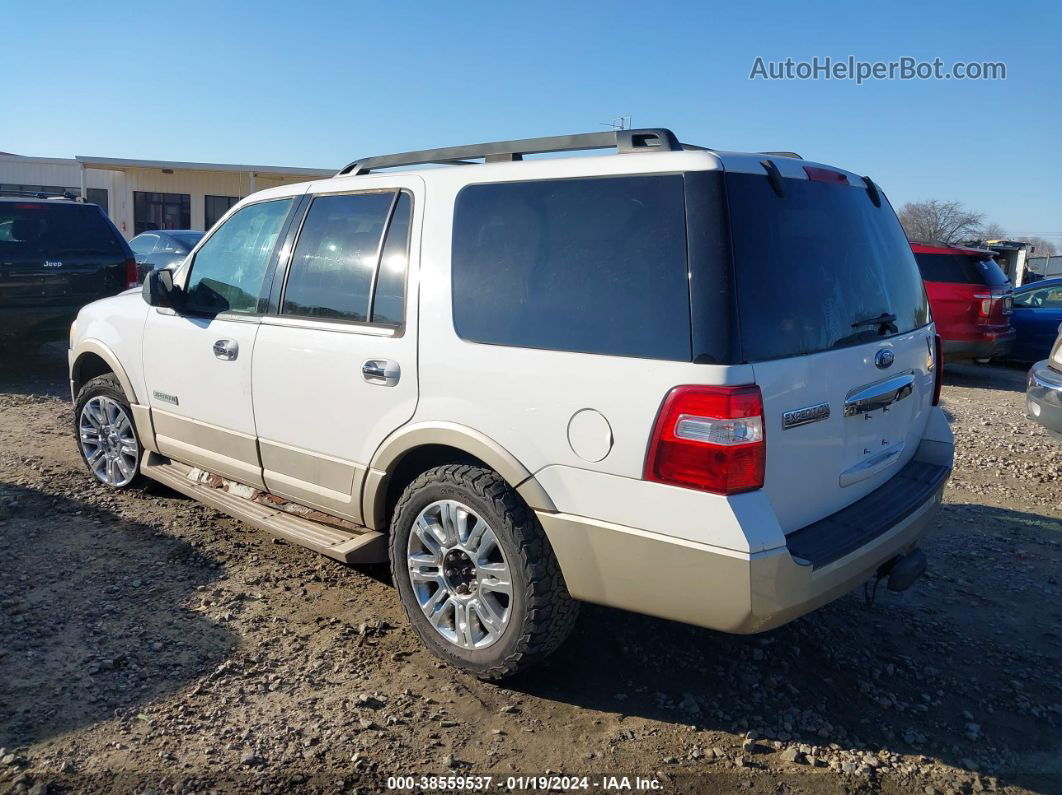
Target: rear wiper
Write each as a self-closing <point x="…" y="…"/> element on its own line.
<point x="885" y="320"/>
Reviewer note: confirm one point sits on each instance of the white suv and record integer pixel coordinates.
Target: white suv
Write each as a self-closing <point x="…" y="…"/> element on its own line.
<point x="688" y="383"/>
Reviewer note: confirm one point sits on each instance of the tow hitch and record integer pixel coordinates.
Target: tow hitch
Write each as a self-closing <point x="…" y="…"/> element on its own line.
<point x="900" y="573"/>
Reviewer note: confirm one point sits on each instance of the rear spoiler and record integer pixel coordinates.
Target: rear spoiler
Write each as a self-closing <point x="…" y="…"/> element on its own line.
<point x="940" y="247"/>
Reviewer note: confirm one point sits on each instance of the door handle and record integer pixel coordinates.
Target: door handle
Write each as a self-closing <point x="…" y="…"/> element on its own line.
<point x="226" y="349"/>
<point x="878" y="396"/>
<point x="381" y="372"/>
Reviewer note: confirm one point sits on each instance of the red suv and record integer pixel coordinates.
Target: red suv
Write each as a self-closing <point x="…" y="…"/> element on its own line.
<point x="970" y="298"/>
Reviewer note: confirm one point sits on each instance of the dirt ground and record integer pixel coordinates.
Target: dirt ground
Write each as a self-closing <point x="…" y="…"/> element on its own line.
<point x="148" y="644"/>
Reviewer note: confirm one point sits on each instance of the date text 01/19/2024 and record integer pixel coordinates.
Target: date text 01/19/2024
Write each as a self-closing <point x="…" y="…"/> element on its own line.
<point x="523" y="783"/>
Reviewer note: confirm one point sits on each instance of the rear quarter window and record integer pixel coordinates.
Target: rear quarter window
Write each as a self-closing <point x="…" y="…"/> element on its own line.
<point x="594" y="265"/>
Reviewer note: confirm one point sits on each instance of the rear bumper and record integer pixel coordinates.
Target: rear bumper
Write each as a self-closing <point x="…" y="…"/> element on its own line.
<point x="742" y="592"/>
<point x="987" y="346"/>
<point x="38" y="322"/>
<point x="1043" y="397"/>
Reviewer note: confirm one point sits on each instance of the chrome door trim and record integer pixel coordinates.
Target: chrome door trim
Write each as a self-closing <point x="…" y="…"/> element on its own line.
<point x="879" y="395"/>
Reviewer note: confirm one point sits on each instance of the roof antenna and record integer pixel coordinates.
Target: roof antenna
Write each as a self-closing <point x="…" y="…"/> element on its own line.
<point x="618" y="123"/>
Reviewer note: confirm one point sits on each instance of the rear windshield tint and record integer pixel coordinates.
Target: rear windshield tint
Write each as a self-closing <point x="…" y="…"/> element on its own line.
<point x="815" y="267"/>
<point x="53" y="230"/>
<point x="960" y="269"/>
<point x="592" y="265"/>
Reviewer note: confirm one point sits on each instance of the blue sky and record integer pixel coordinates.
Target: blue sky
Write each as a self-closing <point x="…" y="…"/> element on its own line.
<point x="318" y="84"/>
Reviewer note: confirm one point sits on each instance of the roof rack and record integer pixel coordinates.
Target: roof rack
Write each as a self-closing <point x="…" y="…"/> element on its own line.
<point x="40" y="194"/>
<point x="623" y="141"/>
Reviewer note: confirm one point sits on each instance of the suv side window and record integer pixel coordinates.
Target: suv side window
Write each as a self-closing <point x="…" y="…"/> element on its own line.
<point x="335" y="257"/>
<point x="1027" y="298"/>
<point x="592" y="265"/>
<point x="1046" y="297"/>
<point x="228" y="270"/>
<point x="389" y="301"/>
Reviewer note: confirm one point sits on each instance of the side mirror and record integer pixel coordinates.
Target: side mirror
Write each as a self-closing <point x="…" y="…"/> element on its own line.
<point x="158" y="289"/>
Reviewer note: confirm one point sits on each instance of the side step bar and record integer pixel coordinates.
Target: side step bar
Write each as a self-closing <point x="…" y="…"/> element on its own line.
<point x="345" y="546"/>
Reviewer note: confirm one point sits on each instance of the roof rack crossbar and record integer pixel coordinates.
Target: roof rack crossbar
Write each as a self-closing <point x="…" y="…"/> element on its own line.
<point x="623" y="141"/>
<point x="41" y="194"/>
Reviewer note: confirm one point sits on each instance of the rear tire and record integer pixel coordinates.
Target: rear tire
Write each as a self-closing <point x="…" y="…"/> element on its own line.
<point x="475" y="573"/>
<point x="106" y="434"/>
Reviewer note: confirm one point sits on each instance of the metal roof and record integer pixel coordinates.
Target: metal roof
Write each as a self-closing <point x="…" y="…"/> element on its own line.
<point x="124" y="164"/>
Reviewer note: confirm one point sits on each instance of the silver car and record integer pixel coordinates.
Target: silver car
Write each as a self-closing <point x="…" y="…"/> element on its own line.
<point x="162" y="248"/>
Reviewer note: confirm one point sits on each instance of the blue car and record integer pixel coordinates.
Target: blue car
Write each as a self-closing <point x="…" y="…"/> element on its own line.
<point x="1036" y="318"/>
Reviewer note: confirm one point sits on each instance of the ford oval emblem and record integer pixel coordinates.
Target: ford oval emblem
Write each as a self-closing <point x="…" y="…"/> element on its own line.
<point x="884" y="358"/>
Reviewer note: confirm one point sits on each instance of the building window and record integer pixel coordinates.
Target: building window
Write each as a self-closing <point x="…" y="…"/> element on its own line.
<point x="215" y="207"/>
<point x="161" y="211"/>
<point x="98" y="196"/>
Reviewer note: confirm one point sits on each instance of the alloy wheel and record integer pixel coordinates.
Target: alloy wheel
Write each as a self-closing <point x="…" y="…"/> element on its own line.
<point x="459" y="574"/>
<point x="108" y="443"/>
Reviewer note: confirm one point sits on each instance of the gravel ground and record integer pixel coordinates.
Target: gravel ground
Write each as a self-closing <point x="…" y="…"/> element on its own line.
<point x="151" y="644"/>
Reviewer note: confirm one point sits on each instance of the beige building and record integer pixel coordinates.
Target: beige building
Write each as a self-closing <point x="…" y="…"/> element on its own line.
<point x="148" y="194"/>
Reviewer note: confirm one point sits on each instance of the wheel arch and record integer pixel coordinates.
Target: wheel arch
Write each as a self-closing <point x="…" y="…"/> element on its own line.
<point x="92" y="358"/>
<point x="414" y="449"/>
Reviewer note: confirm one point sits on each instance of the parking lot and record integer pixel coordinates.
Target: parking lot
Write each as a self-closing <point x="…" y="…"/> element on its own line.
<point x="149" y="643"/>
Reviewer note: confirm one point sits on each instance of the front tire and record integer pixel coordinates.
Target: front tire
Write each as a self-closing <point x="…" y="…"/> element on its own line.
<point x="106" y="433"/>
<point x="475" y="573"/>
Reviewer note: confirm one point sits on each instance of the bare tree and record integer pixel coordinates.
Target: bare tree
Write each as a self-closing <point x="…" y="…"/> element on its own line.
<point x="992" y="231"/>
<point x="949" y="222"/>
<point x="1044" y="248"/>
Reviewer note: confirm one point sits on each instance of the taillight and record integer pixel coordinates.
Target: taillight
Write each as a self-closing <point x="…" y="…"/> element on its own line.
<point x="709" y="438"/>
<point x="938" y="370"/>
<point x="995" y="305"/>
<point x="131" y="279"/>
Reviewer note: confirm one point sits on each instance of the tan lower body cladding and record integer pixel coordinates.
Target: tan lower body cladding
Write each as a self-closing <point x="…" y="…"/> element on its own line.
<point x="708" y="586"/>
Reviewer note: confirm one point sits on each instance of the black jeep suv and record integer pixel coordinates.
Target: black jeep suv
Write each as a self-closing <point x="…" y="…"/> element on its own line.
<point x="56" y="255"/>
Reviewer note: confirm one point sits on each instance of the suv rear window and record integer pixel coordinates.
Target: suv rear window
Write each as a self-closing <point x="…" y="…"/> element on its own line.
<point x="54" y="229"/>
<point x="960" y="269"/>
<point x="592" y="265"/>
<point x="812" y="265"/>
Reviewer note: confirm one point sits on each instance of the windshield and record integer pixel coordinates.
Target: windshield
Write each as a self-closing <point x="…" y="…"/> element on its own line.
<point x="52" y="230"/>
<point x="819" y="268"/>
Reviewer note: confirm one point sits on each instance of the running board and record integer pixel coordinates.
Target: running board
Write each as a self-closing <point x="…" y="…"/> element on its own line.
<point x="345" y="546"/>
